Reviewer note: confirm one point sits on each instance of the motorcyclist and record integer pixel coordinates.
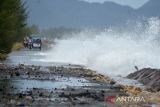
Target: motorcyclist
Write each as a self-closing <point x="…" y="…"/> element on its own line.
<point x="30" y="42"/>
<point x="25" y="43"/>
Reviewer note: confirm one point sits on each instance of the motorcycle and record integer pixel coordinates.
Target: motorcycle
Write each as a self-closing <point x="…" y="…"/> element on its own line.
<point x="30" y="45"/>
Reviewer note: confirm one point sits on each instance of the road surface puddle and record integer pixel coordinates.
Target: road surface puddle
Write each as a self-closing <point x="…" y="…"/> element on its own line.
<point x="18" y="85"/>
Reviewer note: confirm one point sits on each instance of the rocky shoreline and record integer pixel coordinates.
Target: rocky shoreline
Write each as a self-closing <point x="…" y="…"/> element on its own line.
<point x="45" y="73"/>
<point x="93" y="90"/>
<point x="149" y="77"/>
<point x="79" y="96"/>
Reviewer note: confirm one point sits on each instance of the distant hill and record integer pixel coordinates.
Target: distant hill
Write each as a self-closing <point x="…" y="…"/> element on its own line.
<point x="150" y="9"/>
<point x="74" y="13"/>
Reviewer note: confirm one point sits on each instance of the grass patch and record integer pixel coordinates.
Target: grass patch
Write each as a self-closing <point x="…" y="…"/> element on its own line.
<point x="17" y="46"/>
<point x="3" y="56"/>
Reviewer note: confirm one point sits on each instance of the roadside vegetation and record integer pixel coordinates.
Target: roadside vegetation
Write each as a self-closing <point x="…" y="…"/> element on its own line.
<point x="17" y="46"/>
<point x="12" y="25"/>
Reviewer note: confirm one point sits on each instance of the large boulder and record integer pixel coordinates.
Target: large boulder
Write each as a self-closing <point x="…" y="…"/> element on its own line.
<point x="149" y="77"/>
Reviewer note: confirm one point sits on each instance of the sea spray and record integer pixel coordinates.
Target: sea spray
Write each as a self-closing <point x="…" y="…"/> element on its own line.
<point x="111" y="51"/>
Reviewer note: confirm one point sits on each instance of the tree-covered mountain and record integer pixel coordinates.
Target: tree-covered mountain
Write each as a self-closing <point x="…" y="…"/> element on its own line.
<point x="75" y="13"/>
<point x="150" y="9"/>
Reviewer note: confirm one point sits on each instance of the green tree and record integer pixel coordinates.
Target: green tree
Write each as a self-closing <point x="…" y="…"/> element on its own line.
<point x="12" y="23"/>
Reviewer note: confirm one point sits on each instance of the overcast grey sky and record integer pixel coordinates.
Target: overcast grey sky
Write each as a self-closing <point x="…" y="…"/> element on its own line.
<point x="132" y="3"/>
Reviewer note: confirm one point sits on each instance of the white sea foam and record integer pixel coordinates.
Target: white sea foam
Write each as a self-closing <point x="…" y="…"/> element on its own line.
<point x="111" y="51"/>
